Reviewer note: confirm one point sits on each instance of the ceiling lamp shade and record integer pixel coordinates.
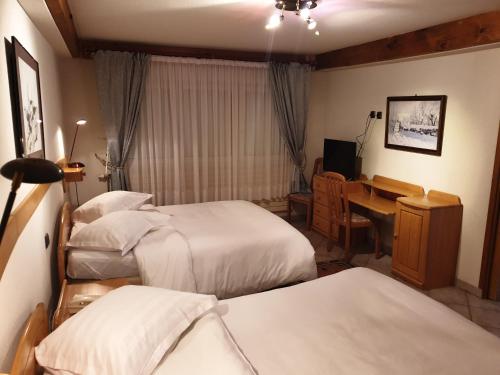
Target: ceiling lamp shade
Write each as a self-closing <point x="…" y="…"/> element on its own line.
<point x="301" y="8"/>
<point x="31" y="171"/>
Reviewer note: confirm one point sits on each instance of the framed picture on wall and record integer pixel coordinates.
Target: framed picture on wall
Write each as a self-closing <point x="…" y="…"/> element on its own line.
<point x="415" y="123"/>
<point x="26" y="103"/>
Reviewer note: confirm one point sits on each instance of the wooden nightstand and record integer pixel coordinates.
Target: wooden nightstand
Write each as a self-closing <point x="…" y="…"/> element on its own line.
<point x="92" y="288"/>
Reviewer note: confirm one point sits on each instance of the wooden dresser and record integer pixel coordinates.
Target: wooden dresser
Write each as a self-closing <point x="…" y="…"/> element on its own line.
<point x="426" y="239"/>
<point x="321" y="218"/>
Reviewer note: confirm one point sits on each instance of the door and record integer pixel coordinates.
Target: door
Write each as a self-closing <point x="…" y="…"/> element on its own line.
<point x="490" y="267"/>
<point x="494" y="289"/>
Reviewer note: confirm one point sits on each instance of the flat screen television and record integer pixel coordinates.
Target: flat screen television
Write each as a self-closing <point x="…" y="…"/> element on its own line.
<point x="340" y="157"/>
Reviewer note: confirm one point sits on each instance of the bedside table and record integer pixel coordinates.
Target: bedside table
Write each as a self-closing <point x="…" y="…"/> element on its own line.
<point x="90" y="288"/>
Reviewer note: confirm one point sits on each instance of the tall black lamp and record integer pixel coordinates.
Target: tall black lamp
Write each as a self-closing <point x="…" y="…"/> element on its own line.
<point x="30" y="171"/>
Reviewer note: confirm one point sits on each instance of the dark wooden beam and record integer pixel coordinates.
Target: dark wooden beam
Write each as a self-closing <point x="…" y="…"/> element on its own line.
<point x="90" y="46"/>
<point x="64" y="21"/>
<point x="468" y="32"/>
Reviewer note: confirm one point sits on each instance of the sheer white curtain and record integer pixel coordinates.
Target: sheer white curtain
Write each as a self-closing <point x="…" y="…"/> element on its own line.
<point x="208" y="132"/>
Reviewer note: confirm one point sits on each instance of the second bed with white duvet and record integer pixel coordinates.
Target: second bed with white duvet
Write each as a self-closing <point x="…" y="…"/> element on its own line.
<point x="227" y="248"/>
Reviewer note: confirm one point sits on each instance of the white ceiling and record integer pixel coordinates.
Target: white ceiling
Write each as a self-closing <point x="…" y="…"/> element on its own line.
<point x="239" y="24"/>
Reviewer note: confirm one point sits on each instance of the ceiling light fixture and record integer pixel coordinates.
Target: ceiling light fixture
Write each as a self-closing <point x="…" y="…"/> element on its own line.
<point x="301" y="8"/>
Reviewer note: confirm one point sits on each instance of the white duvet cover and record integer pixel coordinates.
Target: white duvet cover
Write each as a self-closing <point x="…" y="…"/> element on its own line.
<point x="228" y="248"/>
<point x="357" y="322"/>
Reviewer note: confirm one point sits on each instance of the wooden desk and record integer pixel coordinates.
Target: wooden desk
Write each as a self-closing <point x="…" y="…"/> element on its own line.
<point x="94" y="288"/>
<point x="374" y="203"/>
<point x="379" y="195"/>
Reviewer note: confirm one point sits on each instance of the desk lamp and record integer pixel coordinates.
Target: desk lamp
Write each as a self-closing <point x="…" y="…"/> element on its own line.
<point x="76" y="164"/>
<point x="30" y="171"/>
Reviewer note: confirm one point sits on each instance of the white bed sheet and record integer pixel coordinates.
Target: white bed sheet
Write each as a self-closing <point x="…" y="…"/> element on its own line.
<point x="227" y="248"/>
<point x="357" y="322"/>
<point x="100" y="265"/>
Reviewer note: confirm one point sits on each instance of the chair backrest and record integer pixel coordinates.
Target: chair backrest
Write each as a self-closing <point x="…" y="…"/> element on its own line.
<point x="336" y="198"/>
<point x="317" y="170"/>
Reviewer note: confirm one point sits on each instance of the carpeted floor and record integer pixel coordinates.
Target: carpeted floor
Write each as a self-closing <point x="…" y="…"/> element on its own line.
<point x="331" y="267"/>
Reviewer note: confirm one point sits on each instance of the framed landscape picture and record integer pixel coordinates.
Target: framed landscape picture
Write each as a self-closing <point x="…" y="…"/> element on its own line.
<point x="415" y="123"/>
<point x="27" y="103"/>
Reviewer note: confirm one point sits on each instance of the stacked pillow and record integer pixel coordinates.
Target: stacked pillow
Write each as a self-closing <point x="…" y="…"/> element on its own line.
<point x="109" y="202"/>
<point x="116" y="231"/>
<point x="110" y="222"/>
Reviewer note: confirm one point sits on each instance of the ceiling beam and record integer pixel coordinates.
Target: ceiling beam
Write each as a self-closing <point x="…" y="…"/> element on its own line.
<point x="59" y="9"/>
<point x="468" y="32"/>
<point x="90" y="46"/>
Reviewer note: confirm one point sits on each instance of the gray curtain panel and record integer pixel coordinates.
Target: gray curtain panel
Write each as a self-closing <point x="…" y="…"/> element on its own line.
<point x="121" y="78"/>
<point x="290" y="89"/>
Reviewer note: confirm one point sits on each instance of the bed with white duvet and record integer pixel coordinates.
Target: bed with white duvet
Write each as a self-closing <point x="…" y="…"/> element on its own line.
<point x="228" y="248"/>
<point x="354" y="322"/>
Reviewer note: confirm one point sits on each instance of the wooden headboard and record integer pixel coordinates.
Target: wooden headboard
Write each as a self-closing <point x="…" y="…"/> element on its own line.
<point x="64" y="233"/>
<point x="36" y="330"/>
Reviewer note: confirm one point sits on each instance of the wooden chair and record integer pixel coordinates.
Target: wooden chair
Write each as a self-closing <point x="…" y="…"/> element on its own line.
<point x="340" y="213"/>
<point x="305" y="199"/>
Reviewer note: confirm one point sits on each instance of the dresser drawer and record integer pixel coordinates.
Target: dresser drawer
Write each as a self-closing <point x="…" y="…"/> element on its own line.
<point x="321" y="198"/>
<point x="321" y="211"/>
<point x="320" y="184"/>
<point x="321" y="224"/>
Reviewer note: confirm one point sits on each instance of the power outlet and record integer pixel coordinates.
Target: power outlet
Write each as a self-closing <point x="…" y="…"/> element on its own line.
<point x="372" y="114"/>
<point x="379" y="115"/>
<point x="47" y="241"/>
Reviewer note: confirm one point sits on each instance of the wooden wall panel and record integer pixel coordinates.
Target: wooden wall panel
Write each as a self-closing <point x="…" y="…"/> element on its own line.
<point x="61" y="13"/>
<point x="90" y="46"/>
<point x="468" y="32"/>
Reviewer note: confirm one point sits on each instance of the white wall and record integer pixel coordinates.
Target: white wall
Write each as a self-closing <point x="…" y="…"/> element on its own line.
<point x="342" y="98"/>
<point x="27" y="278"/>
<point x="80" y="101"/>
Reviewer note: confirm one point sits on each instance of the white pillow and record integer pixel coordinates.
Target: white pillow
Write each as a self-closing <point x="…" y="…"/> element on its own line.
<point x="127" y="331"/>
<point x="76" y="228"/>
<point x="117" y="231"/>
<point x="109" y="202"/>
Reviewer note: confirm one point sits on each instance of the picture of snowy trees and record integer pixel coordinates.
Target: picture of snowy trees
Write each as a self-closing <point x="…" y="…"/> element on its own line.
<point x="415" y="123"/>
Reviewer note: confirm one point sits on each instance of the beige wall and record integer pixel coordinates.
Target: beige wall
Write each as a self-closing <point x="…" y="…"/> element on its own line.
<point x="80" y="101"/>
<point x="27" y="278"/>
<point x="341" y="100"/>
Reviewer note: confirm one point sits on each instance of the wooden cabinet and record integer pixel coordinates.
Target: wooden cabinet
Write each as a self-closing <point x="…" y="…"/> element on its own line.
<point x="321" y="217"/>
<point x="426" y="239"/>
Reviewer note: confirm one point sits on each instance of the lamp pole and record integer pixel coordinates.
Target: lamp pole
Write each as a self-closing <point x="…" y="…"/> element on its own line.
<point x="16" y="182"/>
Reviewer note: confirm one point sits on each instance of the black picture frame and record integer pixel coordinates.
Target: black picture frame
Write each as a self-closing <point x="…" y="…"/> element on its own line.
<point x="26" y="99"/>
<point x="415" y="123"/>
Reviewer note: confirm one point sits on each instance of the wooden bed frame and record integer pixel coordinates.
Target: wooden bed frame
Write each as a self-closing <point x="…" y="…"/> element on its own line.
<point x="37" y="328"/>
<point x="65" y="225"/>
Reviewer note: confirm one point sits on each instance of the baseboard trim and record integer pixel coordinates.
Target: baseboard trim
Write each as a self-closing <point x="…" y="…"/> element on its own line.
<point x="474" y="290"/>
